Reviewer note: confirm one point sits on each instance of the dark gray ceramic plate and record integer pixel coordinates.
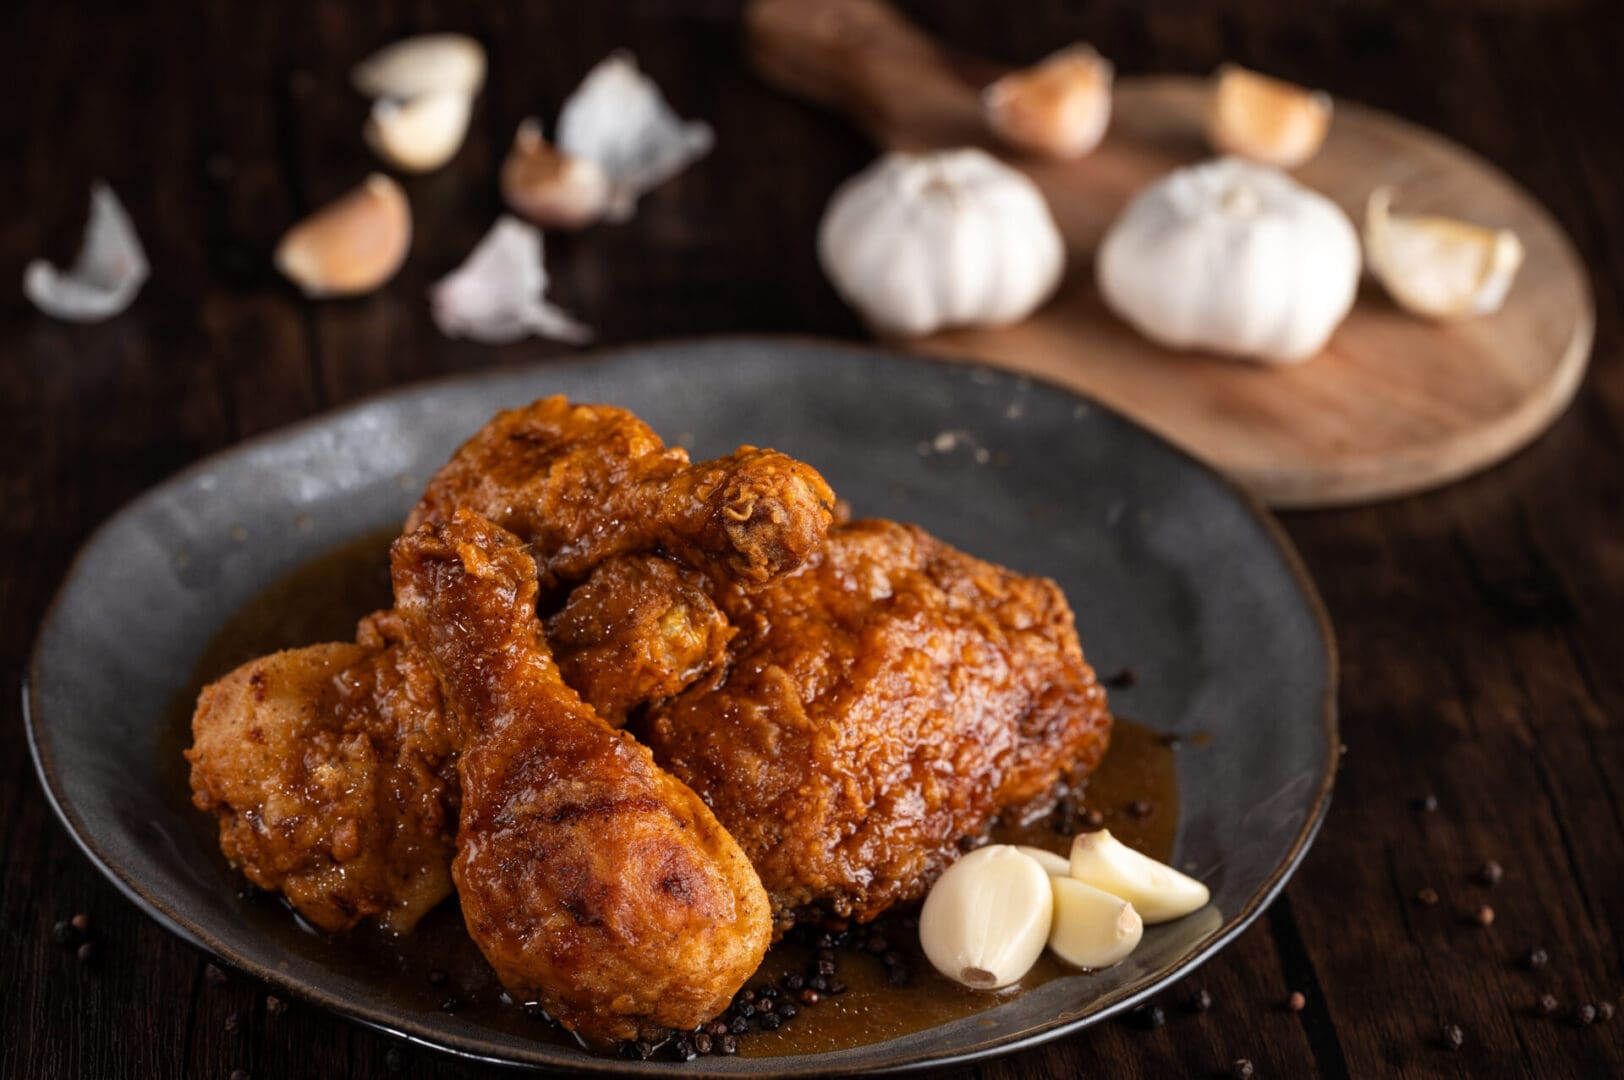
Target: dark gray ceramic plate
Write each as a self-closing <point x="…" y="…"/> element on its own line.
<point x="1169" y="568"/>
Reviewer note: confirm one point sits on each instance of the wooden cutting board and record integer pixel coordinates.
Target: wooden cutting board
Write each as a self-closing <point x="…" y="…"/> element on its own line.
<point x="1394" y="404"/>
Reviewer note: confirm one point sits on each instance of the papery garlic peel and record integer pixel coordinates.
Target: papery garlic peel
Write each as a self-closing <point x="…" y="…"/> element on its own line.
<point x="1059" y="107"/>
<point x="987" y="918"/>
<point x="1266" y="119"/>
<point x="1439" y="267"/>
<point x="1158" y="892"/>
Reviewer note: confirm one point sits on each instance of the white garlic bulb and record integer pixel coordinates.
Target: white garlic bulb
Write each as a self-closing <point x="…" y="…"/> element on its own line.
<point x="917" y="243"/>
<point x="1232" y="257"/>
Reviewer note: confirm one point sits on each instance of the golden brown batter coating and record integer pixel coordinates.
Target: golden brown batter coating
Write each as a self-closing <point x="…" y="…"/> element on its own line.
<point x="330" y="770"/>
<point x="887" y="700"/>
<point x="581" y="483"/>
<point x="592" y="880"/>
<point x="639" y="629"/>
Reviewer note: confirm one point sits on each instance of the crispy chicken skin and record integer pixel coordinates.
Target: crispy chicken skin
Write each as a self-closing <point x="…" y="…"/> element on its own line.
<point x="592" y="880"/>
<point x="639" y="629"/>
<point x="330" y="770"/>
<point x="880" y="705"/>
<point x="581" y="483"/>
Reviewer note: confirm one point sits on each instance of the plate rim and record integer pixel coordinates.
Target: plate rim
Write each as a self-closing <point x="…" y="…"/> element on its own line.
<point x="422" y="1034"/>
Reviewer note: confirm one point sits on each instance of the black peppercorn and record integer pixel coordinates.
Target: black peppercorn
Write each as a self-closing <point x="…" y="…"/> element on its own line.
<point x="451" y="1004"/>
<point x="836" y="986"/>
<point x="702" y="1043"/>
<point x="1490" y="873"/>
<point x="794" y="982"/>
<point x="744" y="1009"/>
<point x="716" y="1028"/>
<point x="1604" y="1011"/>
<point x="86" y="952"/>
<point x="239" y="1074"/>
<point x="1454" y="1037"/>
<point x="787" y="1010"/>
<point x="232" y="1024"/>
<point x="1201" y="1002"/>
<point x="1547" y="1005"/>
<point x="683" y="1050"/>
<point x="769" y="1021"/>
<point x="1147" y="1017"/>
<point x="1537" y="959"/>
<point x="739" y="1026"/>
<point x="1427" y="896"/>
<point x="729" y="1044"/>
<point x="1587" y="1014"/>
<point x="274" y="1005"/>
<point x="62" y="932"/>
<point x="214" y="975"/>
<point x="1241" y="1069"/>
<point x="394" y="1060"/>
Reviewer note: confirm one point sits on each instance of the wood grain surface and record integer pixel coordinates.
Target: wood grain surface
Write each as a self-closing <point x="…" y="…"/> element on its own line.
<point x="1481" y="645"/>
<point x="1393" y="404"/>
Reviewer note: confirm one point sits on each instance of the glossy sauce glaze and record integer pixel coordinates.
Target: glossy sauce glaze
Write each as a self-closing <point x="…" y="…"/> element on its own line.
<point x="884" y="986"/>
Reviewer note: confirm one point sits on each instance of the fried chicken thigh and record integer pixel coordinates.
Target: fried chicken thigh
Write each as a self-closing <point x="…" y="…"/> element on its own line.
<point x="330" y="771"/>
<point x="592" y="880"/>
<point x="581" y="483"/>
<point x="879" y="706"/>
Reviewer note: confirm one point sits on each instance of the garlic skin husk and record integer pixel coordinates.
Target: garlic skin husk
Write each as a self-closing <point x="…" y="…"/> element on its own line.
<point x="1438" y="267"/>
<point x="1232" y="257"/>
<point x="421" y="134"/>
<point x="1053" y="865"/>
<point x="352" y="245"/>
<point x="1059" y="107"/>
<point x="426" y="64"/>
<point x="1266" y="119"/>
<point x="618" y="118"/>
<point x="987" y="918"/>
<point x="107" y="273"/>
<point x="1158" y="892"/>
<point x="498" y="294"/>
<point x="1092" y="929"/>
<point x="918" y="243"/>
<point x="549" y="188"/>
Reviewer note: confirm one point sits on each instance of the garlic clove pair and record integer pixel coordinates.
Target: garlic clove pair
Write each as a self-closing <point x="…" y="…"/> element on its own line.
<point x="424" y="89"/>
<point x="1266" y="119"/>
<point x="549" y="188"/>
<point x="1438" y="267"/>
<point x="988" y="917"/>
<point x="105" y="276"/>
<point x="352" y="245"/>
<point x="1158" y="892"/>
<point x="1059" y="107"/>
<point x="618" y="139"/>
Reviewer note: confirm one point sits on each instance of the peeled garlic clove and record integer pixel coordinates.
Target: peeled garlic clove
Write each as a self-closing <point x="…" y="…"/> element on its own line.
<point x="421" y="134"/>
<point x="498" y="294"/>
<point x="1157" y="891"/>
<point x="1266" y="119"/>
<point x="427" y="64"/>
<point x="352" y="245"/>
<point x="1092" y="928"/>
<point x="549" y="188"/>
<point x="107" y="273"/>
<point x="1053" y="865"/>
<point x="1059" y="107"/>
<point x="618" y="118"/>
<point x="987" y="919"/>
<point x="1439" y="267"/>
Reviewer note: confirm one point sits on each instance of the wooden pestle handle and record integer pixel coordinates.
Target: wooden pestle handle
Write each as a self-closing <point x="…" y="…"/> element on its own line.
<point x="865" y="59"/>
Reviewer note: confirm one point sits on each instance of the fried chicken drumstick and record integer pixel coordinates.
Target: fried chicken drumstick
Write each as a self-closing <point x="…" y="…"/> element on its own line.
<point x="592" y="880"/>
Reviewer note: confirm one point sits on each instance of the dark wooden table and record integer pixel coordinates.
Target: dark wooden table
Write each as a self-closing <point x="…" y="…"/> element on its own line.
<point x="1480" y="626"/>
